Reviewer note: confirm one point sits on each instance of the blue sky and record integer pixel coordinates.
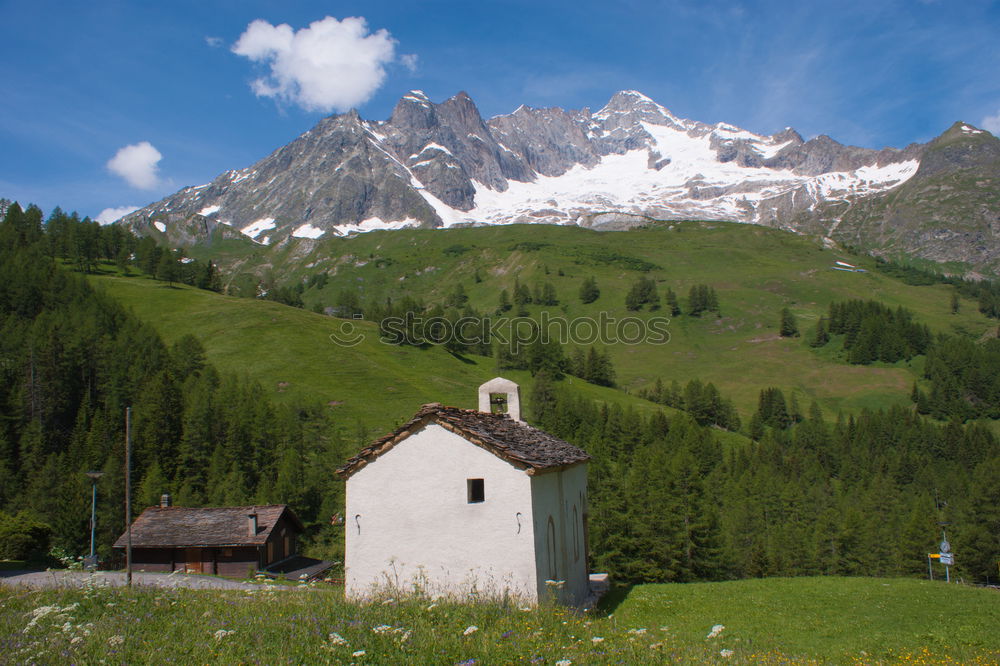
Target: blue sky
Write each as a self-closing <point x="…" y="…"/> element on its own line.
<point x="115" y="104"/>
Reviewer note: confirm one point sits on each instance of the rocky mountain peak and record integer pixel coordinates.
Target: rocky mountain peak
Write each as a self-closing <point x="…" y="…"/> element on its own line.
<point x="436" y="164"/>
<point x="414" y="111"/>
<point x="788" y="134"/>
<point x="962" y="146"/>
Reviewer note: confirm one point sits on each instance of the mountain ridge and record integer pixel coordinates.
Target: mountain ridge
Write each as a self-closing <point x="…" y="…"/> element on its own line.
<point x="632" y="161"/>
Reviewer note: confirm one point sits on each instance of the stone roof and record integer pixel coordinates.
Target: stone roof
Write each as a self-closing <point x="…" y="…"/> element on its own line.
<point x="178" y="526"/>
<point x="525" y="447"/>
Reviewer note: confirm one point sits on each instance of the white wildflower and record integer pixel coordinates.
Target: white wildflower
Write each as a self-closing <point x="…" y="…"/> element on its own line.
<point x="637" y="632"/>
<point x="222" y="633"/>
<point x="76" y="639"/>
<point x="381" y="629"/>
<point x="358" y="653"/>
<point x="727" y="653"/>
<point x="115" y="641"/>
<point x="563" y="662"/>
<point x="716" y="630"/>
<point x="336" y="639"/>
<point x="38" y="613"/>
<point x="597" y="639"/>
<point x="471" y="629"/>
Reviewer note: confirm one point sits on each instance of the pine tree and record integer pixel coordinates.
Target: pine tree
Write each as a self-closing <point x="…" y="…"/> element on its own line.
<point x="166" y="269"/>
<point x="788" y="328"/>
<point x="589" y="291"/>
<point x="505" y="304"/>
<point x="457" y="297"/>
<point x="672" y="304"/>
<point x="543" y="400"/>
<point x="821" y="336"/>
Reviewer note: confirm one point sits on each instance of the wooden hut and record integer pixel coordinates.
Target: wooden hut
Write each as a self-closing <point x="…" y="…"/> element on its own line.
<point x="228" y="541"/>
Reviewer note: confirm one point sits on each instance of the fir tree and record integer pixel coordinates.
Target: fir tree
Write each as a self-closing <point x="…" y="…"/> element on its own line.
<point x="589" y="291"/>
<point x="788" y="327"/>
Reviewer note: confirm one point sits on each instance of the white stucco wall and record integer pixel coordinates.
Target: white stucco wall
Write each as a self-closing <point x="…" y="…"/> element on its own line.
<point x="560" y="548"/>
<point x="409" y="522"/>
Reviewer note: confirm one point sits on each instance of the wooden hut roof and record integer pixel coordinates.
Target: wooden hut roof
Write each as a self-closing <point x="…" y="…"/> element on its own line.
<point x="178" y="526"/>
<point x="525" y="447"/>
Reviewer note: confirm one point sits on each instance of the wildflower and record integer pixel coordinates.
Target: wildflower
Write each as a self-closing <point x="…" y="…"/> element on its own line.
<point x="716" y="630"/>
<point x="563" y="662"/>
<point x="637" y="632"/>
<point x="467" y="662"/>
<point x="556" y="584"/>
<point x="358" y="653"/>
<point x="336" y="639"/>
<point x="76" y="639"/>
<point x="115" y="641"/>
<point x="727" y="653"/>
<point x="222" y="633"/>
<point x="655" y="646"/>
<point x="38" y="613"/>
<point x="388" y="602"/>
<point x="381" y="629"/>
<point x="597" y="639"/>
<point x="471" y="629"/>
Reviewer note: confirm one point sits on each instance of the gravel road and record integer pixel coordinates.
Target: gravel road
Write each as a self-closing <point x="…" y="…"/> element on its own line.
<point x="63" y="578"/>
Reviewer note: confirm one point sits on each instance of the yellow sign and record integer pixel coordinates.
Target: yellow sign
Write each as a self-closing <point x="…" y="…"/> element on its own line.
<point x="934" y="556"/>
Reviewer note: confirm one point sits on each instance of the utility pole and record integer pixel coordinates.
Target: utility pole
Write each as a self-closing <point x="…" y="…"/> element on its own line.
<point x="128" y="496"/>
<point x="94" y="476"/>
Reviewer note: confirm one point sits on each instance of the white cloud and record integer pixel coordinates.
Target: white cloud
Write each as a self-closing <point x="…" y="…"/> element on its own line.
<point x="137" y="165"/>
<point x="329" y="65"/>
<point x="109" y="215"/>
<point x="409" y="61"/>
<point x="214" y="42"/>
<point x="992" y="123"/>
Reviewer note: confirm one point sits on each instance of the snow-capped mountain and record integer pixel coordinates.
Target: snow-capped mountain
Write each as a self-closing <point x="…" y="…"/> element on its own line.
<point x="441" y="165"/>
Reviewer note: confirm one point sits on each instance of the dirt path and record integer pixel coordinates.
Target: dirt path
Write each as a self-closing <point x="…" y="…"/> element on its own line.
<point x="63" y="578"/>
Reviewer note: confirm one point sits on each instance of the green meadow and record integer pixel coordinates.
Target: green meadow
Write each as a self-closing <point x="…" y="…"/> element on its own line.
<point x="293" y="353"/>
<point x="778" y="621"/>
<point x="755" y="271"/>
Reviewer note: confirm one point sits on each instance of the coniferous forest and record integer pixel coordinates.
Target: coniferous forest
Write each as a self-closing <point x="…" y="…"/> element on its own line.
<point x="72" y="360"/>
<point x="808" y="493"/>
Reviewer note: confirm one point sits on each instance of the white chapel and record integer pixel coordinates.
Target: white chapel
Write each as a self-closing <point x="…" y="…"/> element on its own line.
<point x="461" y="502"/>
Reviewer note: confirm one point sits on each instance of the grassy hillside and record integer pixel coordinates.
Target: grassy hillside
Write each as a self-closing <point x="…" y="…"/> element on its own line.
<point x="291" y="353"/>
<point x="780" y="621"/>
<point x="756" y="272"/>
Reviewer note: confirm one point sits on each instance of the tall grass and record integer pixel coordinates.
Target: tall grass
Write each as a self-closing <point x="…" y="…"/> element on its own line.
<point x="760" y="622"/>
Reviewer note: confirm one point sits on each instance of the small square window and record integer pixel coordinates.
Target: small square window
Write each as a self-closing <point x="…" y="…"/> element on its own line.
<point x="476" y="490"/>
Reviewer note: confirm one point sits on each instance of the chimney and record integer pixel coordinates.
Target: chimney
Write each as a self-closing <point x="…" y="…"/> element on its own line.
<point x="252" y="523"/>
<point x="164" y="501"/>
